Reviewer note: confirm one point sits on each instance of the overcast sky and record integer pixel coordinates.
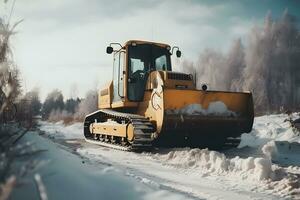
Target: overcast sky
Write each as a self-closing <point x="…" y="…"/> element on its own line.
<point x="61" y="44"/>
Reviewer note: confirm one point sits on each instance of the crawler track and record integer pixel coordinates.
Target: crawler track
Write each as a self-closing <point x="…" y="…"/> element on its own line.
<point x="143" y="131"/>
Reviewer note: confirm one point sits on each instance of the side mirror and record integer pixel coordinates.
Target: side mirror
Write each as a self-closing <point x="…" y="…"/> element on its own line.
<point x="178" y="54"/>
<point x="204" y="87"/>
<point x="109" y="50"/>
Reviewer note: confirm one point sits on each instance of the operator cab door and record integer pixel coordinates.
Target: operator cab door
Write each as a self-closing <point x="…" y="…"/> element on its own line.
<point x="142" y="59"/>
<point x="118" y="76"/>
<point x="139" y="62"/>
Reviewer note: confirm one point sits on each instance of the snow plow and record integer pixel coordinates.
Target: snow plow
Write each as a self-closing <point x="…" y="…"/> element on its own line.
<point x="148" y="104"/>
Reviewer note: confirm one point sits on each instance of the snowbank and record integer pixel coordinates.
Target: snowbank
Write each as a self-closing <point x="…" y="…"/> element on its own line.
<point x="60" y="131"/>
<point x="211" y="163"/>
<point x="283" y="152"/>
<point x="214" y="162"/>
<point x="274" y="136"/>
<point x="217" y="108"/>
<point x="188" y="167"/>
<point x="268" y="128"/>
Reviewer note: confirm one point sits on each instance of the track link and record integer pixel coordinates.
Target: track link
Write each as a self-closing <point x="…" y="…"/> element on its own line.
<point x="143" y="130"/>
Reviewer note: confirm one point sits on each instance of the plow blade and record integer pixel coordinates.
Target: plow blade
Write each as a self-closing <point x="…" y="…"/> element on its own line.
<point x="205" y="118"/>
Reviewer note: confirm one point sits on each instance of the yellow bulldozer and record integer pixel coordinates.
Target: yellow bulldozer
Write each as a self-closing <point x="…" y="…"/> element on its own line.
<point x="147" y="104"/>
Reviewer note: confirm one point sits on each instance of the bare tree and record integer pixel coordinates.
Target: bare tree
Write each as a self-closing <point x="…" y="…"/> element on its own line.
<point x="87" y="105"/>
<point x="268" y="64"/>
<point x="10" y="87"/>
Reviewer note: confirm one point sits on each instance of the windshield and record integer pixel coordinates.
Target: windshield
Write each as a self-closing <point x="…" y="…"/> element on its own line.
<point x="143" y="58"/>
<point x="146" y="57"/>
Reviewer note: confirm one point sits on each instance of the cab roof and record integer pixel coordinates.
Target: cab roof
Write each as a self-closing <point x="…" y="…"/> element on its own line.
<point x="129" y="42"/>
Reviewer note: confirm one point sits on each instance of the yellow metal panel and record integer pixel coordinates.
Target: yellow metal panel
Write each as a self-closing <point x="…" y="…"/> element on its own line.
<point x="123" y="104"/>
<point x="105" y="96"/>
<point x="113" y="129"/>
<point x="152" y="106"/>
<point x="235" y="101"/>
<point x="109" y="129"/>
<point x="172" y="84"/>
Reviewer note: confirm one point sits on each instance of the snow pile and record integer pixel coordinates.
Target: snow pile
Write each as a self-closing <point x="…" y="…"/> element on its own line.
<point x="268" y="128"/>
<point x="60" y="131"/>
<point x="274" y="136"/>
<point x="283" y="152"/>
<point x="188" y="167"/>
<point x="261" y="170"/>
<point x="217" y="108"/>
<point x="209" y="162"/>
<point x="270" y="149"/>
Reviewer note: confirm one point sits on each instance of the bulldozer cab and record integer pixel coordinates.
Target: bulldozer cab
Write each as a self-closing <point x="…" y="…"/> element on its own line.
<point x="133" y="63"/>
<point x="142" y="59"/>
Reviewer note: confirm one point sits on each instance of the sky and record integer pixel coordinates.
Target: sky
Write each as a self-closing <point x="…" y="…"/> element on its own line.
<point x="61" y="43"/>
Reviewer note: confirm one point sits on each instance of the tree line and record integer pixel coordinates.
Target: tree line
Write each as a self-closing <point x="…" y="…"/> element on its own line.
<point x="56" y="107"/>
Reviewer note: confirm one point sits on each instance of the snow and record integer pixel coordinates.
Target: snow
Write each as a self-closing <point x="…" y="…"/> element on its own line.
<point x="217" y="108"/>
<point x="111" y="122"/>
<point x="284" y="152"/>
<point x="270" y="128"/>
<point x="270" y="149"/>
<point x="212" y="162"/>
<point x="266" y="163"/>
<point x="60" y="131"/>
<point x="274" y="136"/>
<point x="202" y="173"/>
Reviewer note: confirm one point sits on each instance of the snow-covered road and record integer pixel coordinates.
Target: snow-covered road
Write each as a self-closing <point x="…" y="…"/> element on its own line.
<point x="265" y="166"/>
